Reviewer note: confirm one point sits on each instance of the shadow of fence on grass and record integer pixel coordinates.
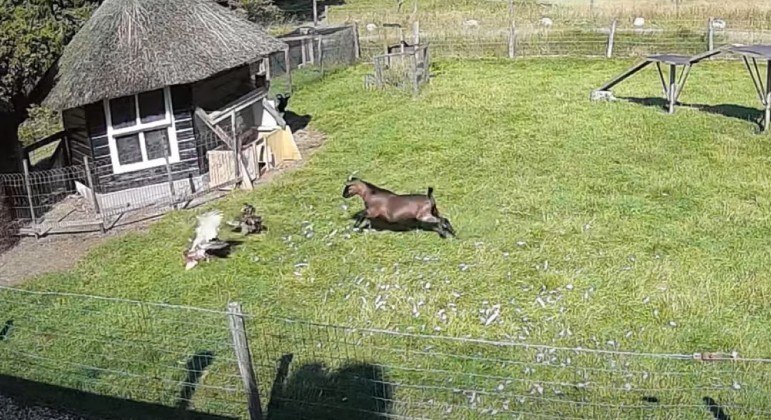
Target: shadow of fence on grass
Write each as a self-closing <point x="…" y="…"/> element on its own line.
<point x="353" y="391"/>
<point x="739" y="112"/>
<point x="91" y="405"/>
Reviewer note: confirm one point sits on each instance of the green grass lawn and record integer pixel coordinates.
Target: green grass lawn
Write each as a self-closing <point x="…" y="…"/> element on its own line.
<point x="613" y="221"/>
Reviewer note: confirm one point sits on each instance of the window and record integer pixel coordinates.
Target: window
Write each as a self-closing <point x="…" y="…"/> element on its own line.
<point x="140" y="130"/>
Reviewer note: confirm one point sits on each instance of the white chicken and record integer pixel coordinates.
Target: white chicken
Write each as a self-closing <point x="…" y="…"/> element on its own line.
<point x="206" y="243"/>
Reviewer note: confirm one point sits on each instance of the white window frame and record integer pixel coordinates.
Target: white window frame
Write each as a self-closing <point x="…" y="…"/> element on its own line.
<point x="140" y="128"/>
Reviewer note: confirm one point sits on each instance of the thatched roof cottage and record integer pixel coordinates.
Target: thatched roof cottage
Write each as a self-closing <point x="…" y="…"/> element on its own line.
<point x="128" y="84"/>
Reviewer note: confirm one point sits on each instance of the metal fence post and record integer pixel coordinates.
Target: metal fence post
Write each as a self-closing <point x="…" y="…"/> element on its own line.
<point x="315" y="13"/>
<point x="170" y="178"/>
<point x="611" y="37"/>
<point x="28" y="187"/>
<point x="90" y="181"/>
<point x="244" y="359"/>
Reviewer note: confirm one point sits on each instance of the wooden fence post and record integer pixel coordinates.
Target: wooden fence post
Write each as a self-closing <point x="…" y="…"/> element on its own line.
<point x="170" y="179"/>
<point x="321" y="53"/>
<point x="90" y="181"/>
<point x="67" y="149"/>
<point x="28" y="187"/>
<point x="356" y="44"/>
<point x="611" y="38"/>
<point x="512" y="40"/>
<point x="512" y="31"/>
<point x="288" y="66"/>
<point x="244" y="359"/>
<point x="710" y="35"/>
<point x="416" y="32"/>
<point x="237" y="156"/>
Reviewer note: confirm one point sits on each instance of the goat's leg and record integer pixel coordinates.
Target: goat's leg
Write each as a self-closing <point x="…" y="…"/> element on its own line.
<point x="447" y="226"/>
<point x="436" y="222"/>
<point x="359" y="220"/>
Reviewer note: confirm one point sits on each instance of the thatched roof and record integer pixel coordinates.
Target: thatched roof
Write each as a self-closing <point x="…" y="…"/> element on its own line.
<point x="133" y="46"/>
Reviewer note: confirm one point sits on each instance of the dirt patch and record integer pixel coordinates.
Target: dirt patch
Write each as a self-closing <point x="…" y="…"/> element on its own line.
<point x="32" y="257"/>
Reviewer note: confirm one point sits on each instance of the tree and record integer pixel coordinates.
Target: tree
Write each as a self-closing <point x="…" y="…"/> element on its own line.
<point x="33" y="34"/>
<point x="260" y="11"/>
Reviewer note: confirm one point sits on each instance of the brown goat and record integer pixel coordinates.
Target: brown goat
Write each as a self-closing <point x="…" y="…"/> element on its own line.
<point x="393" y="208"/>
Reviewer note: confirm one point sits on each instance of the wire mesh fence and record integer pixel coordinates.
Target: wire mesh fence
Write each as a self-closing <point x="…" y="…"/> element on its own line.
<point x="93" y="196"/>
<point x="188" y="357"/>
<point x="32" y="197"/>
<point x="171" y="355"/>
<point x="328" y="370"/>
<point x="313" y="52"/>
<point x="493" y="32"/>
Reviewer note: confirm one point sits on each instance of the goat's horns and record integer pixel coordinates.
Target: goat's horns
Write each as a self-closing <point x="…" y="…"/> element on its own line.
<point x="351" y="177"/>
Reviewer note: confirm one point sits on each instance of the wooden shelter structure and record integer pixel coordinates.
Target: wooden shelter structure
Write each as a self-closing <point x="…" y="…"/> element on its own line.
<point x="671" y="85"/>
<point x="130" y="81"/>
<point x="753" y="53"/>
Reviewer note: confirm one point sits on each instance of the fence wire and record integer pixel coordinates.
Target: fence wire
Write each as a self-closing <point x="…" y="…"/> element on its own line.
<point x="313" y="52"/>
<point x="182" y="356"/>
<point x="171" y="355"/>
<point x="331" y="370"/>
<point x="62" y="200"/>
<point x="34" y="198"/>
<point x="468" y="35"/>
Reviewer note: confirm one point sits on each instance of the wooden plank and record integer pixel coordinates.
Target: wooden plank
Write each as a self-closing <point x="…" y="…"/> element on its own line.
<point x="611" y="39"/>
<point x="244" y="359"/>
<point x="46" y="141"/>
<point x="227" y="140"/>
<point x="625" y="75"/>
<point x="709" y="54"/>
<point x="356" y="44"/>
<point x="220" y="166"/>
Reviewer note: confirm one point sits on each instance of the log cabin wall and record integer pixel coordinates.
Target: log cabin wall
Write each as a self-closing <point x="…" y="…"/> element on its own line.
<point x="108" y="181"/>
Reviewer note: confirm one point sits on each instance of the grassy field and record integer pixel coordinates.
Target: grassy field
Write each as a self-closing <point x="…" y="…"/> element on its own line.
<point x="629" y="228"/>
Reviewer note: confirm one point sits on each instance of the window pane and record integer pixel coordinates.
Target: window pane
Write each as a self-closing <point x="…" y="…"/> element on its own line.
<point x="151" y="106"/>
<point x="129" y="150"/>
<point x="157" y="143"/>
<point x="123" y="112"/>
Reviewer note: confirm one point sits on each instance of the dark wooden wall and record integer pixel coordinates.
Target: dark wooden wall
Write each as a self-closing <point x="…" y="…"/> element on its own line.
<point x="74" y="121"/>
<point x="188" y="165"/>
<point x="215" y="93"/>
<point x="193" y="141"/>
<point x="222" y="88"/>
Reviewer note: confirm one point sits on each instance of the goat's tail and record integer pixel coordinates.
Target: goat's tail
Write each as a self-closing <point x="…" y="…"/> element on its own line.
<point x="430" y="195"/>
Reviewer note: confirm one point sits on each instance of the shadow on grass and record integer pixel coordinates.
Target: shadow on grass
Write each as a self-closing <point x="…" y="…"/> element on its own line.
<point x="296" y="122"/>
<point x="354" y="391"/>
<point x="738" y="112"/>
<point x="91" y="405"/>
<point x="717" y="411"/>
<point x="196" y="366"/>
<point x="381" y="225"/>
